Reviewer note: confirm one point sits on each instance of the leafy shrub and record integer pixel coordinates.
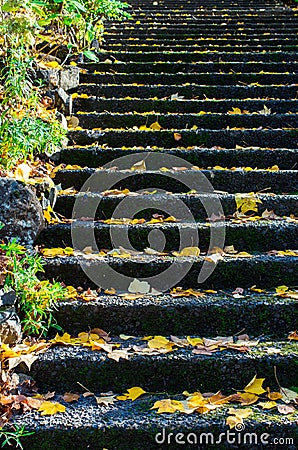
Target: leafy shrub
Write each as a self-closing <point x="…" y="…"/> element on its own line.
<point x="23" y="138"/>
<point x="36" y="299"/>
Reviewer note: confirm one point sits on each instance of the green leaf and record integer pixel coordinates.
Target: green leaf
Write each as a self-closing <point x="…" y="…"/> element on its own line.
<point x="90" y="55"/>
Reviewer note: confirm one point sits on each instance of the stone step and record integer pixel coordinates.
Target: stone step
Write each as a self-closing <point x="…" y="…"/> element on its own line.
<point x="217" y="28"/>
<point x="266" y="40"/>
<point x="217" y="17"/>
<point x="220" y="79"/>
<point x="128" y="425"/>
<point x="202" y="47"/>
<point x="196" y="67"/>
<point x="185" y="27"/>
<point x="282" y="205"/>
<point x="142" y="92"/>
<point x="61" y="368"/>
<point x="194" y="106"/>
<point x="278" y="181"/>
<point x="218" y="314"/>
<point x="261" y="269"/>
<point x="207" y="138"/>
<point x="277" y="56"/>
<point x="183" y="121"/>
<point x="250" y="237"/>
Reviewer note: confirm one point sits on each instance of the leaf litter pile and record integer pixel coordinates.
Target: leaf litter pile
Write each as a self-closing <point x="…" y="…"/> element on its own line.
<point x="19" y="393"/>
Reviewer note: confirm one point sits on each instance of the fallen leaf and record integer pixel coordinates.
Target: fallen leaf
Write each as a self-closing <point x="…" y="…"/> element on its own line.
<point x="69" y="397"/>
<point x="288" y="395"/>
<point x="176" y="97"/>
<point x="235" y="111"/>
<point x="139" y="166"/>
<point x="132" y="393"/>
<point x="139" y="287"/>
<point x="286" y="409"/>
<point x="243" y="413"/>
<point x="117" y="354"/>
<point x="160" y="342"/>
<point x="266" y="111"/>
<point x="293" y="336"/>
<point x="246" y="398"/>
<point x="155" y="126"/>
<point x="106" y="401"/>
<point x="168" y="406"/>
<point x="188" y="251"/>
<point x="267" y="405"/>
<point x="247" y="202"/>
<point x="177" y="136"/>
<point x="50" y="408"/>
<point x="274" y="395"/>
<point x="237" y="416"/>
<point x="22" y="172"/>
<point x="255" y="386"/>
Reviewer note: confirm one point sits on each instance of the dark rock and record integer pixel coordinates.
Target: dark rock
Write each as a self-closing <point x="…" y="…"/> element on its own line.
<point x="63" y="102"/>
<point x="10" y="326"/>
<point x="20" y="212"/>
<point x="68" y="78"/>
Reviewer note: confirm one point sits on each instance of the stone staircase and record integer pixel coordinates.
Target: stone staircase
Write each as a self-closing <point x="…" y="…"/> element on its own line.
<point x="187" y="67"/>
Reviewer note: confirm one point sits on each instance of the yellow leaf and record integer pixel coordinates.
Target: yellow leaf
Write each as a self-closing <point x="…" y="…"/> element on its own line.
<point x="72" y="63"/>
<point x="293" y="336"/>
<point x="71" y="292"/>
<point x="274" y="395"/>
<point x="47" y="214"/>
<point x="59" y="251"/>
<point x="235" y="111"/>
<point x="196" y="400"/>
<point x="22" y="172"/>
<point x="167" y="406"/>
<point x="50" y="408"/>
<point x="135" y="392"/>
<point x="177" y="136"/>
<point x="243" y="255"/>
<point x="247" y="398"/>
<point x="155" y="126"/>
<point x="281" y="289"/>
<point x="255" y="386"/>
<point x="179" y="292"/>
<point x="52" y="64"/>
<point x="132" y="393"/>
<point x="64" y="339"/>
<point x="243" y="413"/>
<point x="267" y="405"/>
<point x="160" y="342"/>
<point x="232" y="421"/>
<point x="247" y="202"/>
<point x="195" y="341"/>
<point x="141" y="165"/>
<point x="188" y="251"/>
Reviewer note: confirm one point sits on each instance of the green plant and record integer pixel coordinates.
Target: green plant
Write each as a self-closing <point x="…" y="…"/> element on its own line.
<point x="75" y="23"/>
<point x="36" y="299"/>
<point x="81" y="21"/>
<point x="13" y="437"/>
<point x="23" y="138"/>
<point x="15" y="76"/>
